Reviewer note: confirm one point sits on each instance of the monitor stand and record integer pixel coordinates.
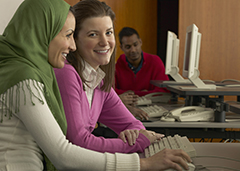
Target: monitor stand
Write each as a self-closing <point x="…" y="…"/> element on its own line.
<point x="199" y="84"/>
<point x="177" y="77"/>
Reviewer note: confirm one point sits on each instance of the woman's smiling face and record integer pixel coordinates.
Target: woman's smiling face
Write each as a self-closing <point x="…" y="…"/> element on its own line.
<point x="63" y="43"/>
<point x="95" y="41"/>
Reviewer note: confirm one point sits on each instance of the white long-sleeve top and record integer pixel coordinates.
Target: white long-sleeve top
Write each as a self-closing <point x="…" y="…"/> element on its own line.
<point x="33" y="129"/>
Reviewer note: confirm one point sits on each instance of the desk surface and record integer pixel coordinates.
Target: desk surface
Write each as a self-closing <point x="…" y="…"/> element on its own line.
<point x="206" y="153"/>
<point x="199" y="129"/>
<point x="223" y="91"/>
<point x="220" y="90"/>
<point x="161" y="124"/>
<point x="161" y="83"/>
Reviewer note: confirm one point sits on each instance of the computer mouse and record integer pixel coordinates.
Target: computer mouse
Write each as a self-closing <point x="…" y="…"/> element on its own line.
<point x="190" y="165"/>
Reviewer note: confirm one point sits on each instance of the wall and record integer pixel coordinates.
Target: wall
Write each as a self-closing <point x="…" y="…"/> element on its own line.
<point x="7" y="11"/>
<point x="72" y="2"/>
<point x="8" y="8"/>
<point x="167" y="20"/>
<point x="218" y="21"/>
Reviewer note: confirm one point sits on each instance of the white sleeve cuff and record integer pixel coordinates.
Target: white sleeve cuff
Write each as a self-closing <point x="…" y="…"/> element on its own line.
<point x="123" y="162"/>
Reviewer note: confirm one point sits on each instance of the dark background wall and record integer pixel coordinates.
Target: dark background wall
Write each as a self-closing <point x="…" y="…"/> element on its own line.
<point x="167" y="20"/>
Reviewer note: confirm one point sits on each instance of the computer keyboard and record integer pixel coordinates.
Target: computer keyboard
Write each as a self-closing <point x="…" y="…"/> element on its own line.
<point x="156" y="97"/>
<point x="175" y="142"/>
<point x="154" y="111"/>
<point x="143" y="101"/>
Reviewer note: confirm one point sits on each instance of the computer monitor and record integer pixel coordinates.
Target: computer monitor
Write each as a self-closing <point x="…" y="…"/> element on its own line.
<point x="191" y="58"/>
<point x="172" y="54"/>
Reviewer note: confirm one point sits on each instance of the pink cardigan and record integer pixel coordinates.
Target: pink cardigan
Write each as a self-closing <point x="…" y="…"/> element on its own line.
<point x="152" y="69"/>
<point x="106" y="108"/>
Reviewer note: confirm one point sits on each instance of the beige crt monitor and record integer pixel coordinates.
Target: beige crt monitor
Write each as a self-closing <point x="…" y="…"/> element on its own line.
<point x="172" y="54"/>
<point x="191" y="58"/>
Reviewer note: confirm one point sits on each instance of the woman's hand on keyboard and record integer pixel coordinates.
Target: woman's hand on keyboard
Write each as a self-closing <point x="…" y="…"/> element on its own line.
<point x="131" y="136"/>
<point x="138" y="113"/>
<point x="151" y="135"/>
<point x="129" y="98"/>
<point x="166" y="159"/>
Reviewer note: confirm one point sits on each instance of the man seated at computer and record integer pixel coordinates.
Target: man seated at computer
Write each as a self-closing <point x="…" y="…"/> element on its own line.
<point x="135" y="69"/>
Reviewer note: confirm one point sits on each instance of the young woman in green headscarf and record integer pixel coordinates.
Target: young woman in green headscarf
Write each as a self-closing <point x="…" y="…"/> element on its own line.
<point x="33" y="124"/>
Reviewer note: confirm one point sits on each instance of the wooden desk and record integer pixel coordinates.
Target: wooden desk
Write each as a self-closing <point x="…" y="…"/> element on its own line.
<point x="235" y="123"/>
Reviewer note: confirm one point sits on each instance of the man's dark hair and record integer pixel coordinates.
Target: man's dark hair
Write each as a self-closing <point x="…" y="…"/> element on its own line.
<point x="127" y="31"/>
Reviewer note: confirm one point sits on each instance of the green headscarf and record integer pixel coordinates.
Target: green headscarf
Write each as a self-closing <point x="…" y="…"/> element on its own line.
<point x="24" y="50"/>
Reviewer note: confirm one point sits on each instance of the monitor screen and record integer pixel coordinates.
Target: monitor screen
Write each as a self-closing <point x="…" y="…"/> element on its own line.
<point x="171" y="66"/>
<point x="190" y="53"/>
<point x="171" y="52"/>
<point x="187" y="55"/>
<point x="191" y="58"/>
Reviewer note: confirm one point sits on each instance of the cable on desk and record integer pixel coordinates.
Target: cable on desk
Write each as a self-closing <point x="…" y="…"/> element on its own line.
<point x="226" y="141"/>
<point x="211" y="81"/>
<point x="230" y="141"/>
<point x="230" y="80"/>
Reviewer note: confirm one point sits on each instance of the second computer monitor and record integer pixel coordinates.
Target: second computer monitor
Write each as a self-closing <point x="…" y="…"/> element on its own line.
<point x="191" y="58"/>
<point x="172" y="54"/>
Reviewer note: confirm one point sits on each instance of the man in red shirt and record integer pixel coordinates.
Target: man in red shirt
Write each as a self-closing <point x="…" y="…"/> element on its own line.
<point x="135" y="69"/>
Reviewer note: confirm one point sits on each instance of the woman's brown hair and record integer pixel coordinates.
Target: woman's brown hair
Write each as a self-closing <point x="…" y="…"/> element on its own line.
<point x="83" y="10"/>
